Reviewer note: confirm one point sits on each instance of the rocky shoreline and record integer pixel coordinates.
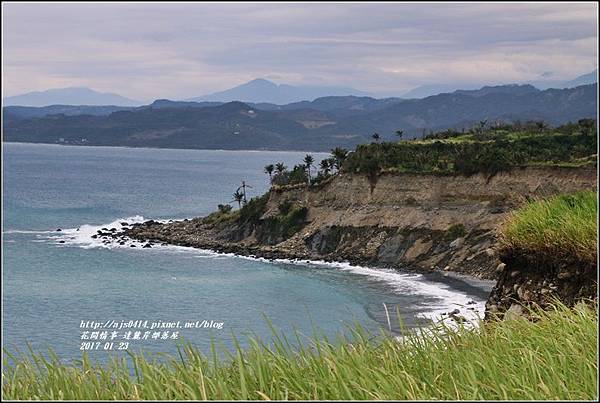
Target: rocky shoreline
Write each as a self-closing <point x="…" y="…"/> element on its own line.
<point x="195" y="234"/>
<point x="418" y="222"/>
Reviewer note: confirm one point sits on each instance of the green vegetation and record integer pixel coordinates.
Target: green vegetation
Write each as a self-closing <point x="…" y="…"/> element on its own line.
<point x="564" y="225"/>
<point x="291" y="218"/>
<point x="480" y="150"/>
<point x="483" y="149"/>
<point x="223" y="216"/>
<point x="455" y="231"/>
<point x="253" y="209"/>
<point x="552" y="358"/>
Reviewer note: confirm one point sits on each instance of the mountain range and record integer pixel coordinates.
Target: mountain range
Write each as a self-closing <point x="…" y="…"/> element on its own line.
<point x="69" y="96"/>
<point x="424" y="91"/>
<point x="261" y="90"/>
<point x="257" y="91"/>
<point x="317" y="125"/>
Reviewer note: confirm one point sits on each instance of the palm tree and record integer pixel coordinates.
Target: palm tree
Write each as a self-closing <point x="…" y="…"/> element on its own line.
<point x="238" y="197"/>
<point x="400" y="133"/>
<point x="279" y="167"/>
<point x="269" y="170"/>
<point x="541" y="125"/>
<point x="376" y="137"/>
<point x="326" y="165"/>
<point x="339" y="155"/>
<point x="308" y="161"/>
<point x="479" y="129"/>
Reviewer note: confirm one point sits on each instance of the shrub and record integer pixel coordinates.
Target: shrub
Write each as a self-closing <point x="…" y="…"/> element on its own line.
<point x="285" y="206"/>
<point x="287" y="223"/>
<point x="455" y="231"/>
<point x="254" y="209"/>
<point x="224" y="208"/>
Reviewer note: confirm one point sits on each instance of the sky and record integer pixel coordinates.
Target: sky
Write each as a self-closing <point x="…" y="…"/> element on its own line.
<point x="147" y="51"/>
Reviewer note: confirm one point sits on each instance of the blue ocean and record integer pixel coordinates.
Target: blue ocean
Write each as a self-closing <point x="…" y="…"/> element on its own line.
<point x="55" y="280"/>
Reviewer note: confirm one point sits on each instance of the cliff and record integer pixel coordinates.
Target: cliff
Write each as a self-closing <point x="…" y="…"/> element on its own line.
<point x="550" y="252"/>
<point x="405" y="220"/>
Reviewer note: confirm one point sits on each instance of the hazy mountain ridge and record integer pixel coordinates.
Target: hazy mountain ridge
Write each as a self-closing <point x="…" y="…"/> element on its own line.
<point x="339" y="104"/>
<point x="68" y="96"/>
<point x="265" y="91"/>
<point x="427" y="90"/>
<point x="237" y="125"/>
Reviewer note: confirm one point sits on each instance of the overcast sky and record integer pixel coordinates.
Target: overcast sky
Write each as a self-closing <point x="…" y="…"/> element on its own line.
<point x="176" y="51"/>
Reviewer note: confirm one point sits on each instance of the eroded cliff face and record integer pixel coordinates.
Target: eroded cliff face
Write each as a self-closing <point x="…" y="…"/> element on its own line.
<point x="422" y="221"/>
<point x="531" y="279"/>
<point x="418" y="221"/>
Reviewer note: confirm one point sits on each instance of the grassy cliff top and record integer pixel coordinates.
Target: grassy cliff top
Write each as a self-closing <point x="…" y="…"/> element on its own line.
<point x="488" y="151"/>
<point x="562" y="225"/>
<point x="484" y="149"/>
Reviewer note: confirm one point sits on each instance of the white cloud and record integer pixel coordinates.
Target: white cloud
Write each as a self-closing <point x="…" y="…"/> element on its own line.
<point x="179" y="50"/>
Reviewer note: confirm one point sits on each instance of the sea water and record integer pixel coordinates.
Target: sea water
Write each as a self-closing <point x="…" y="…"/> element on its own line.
<point x="54" y="281"/>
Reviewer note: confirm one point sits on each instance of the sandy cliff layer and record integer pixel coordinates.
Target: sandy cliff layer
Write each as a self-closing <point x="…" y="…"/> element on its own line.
<point x="420" y="221"/>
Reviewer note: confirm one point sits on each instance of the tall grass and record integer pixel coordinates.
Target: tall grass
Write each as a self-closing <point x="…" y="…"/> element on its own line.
<point x="552" y="358"/>
<point x="562" y="225"/>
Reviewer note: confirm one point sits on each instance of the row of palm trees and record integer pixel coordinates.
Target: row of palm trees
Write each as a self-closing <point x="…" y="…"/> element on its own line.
<point x="326" y="167"/>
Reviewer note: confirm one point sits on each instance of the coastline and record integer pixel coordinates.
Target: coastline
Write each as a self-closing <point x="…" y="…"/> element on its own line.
<point x="172" y="148"/>
<point x="461" y="298"/>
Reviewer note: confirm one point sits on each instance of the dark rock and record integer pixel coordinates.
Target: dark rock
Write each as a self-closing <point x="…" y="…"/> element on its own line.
<point x="147" y="246"/>
<point x="458" y="318"/>
<point x="565" y="274"/>
<point x="132" y="246"/>
<point x="58" y="230"/>
<point x="61" y="241"/>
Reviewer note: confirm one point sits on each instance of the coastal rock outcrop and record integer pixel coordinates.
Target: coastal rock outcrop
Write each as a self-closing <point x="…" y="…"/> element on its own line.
<point x="408" y="220"/>
<point x="531" y="279"/>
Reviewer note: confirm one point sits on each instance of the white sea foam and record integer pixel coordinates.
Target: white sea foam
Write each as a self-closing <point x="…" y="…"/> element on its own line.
<point x="446" y="299"/>
<point x="83" y="236"/>
<point x="439" y="298"/>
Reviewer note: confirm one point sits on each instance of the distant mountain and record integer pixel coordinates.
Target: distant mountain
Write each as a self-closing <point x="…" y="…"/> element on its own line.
<point x="318" y="125"/>
<point x="265" y="91"/>
<point x="473" y="90"/>
<point x="342" y="105"/>
<point x="69" y="96"/>
<point x="424" y="91"/>
<point x="166" y="103"/>
<point x="513" y="89"/>
<point x="590" y="78"/>
<point x="585" y="79"/>
<point x="23" y="112"/>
